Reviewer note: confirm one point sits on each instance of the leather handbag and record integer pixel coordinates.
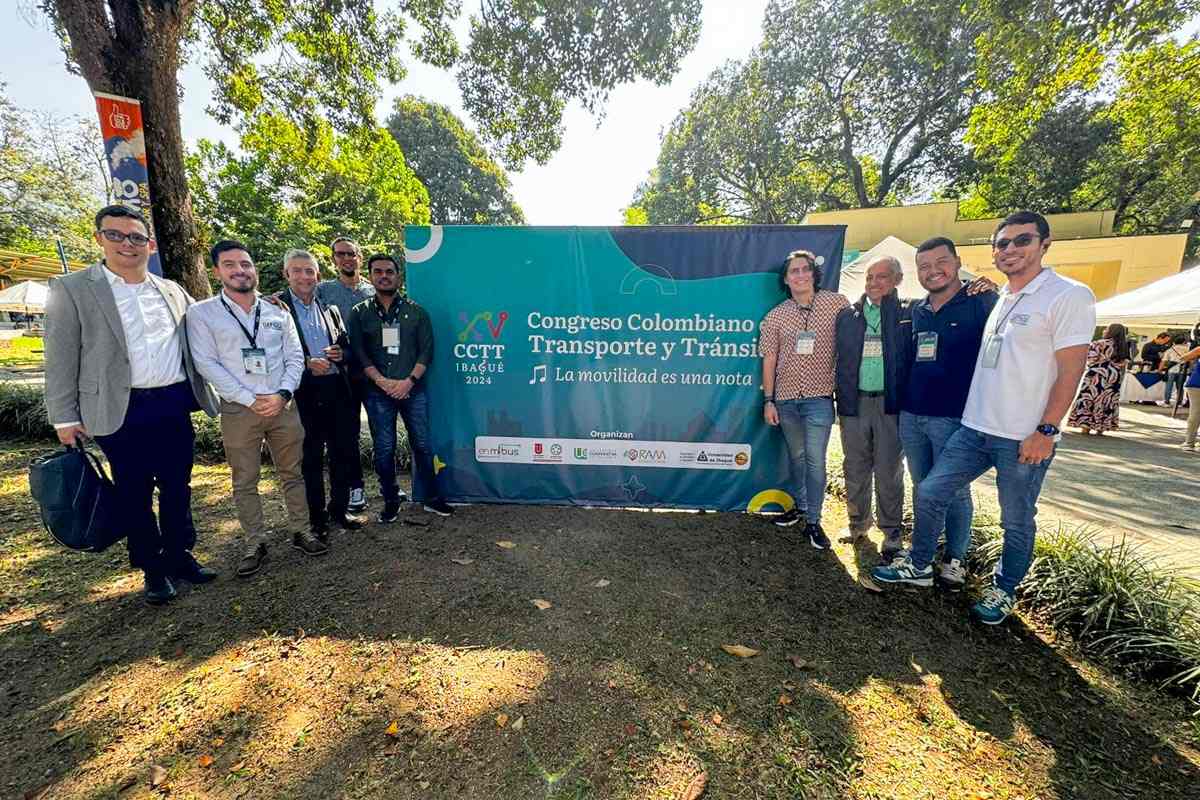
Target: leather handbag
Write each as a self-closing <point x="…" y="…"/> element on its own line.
<point x="77" y="499"/>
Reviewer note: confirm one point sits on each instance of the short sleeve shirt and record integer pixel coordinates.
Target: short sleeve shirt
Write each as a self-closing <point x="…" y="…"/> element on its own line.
<point x="796" y="375"/>
<point x="1050" y="314"/>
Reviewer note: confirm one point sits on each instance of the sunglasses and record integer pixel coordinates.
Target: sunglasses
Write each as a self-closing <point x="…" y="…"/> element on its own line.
<point x="1024" y="240"/>
<point x="344" y="253"/>
<point x="136" y="239"/>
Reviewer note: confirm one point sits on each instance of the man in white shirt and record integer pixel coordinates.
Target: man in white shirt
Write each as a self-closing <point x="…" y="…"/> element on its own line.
<point x="251" y="353"/>
<point x="118" y="370"/>
<point x="1032" y="357"/>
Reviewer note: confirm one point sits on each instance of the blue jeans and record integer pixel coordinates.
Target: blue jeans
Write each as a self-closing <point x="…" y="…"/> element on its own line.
<point x="923" y="439"/>
<point x="966" y="456"/>
<point x="381" y="417"/>
<point x="806" y="423"/>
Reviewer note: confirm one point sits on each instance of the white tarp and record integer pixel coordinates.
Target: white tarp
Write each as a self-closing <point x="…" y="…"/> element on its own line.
<point x="854" y="274"/>
<point x="1173" y="301"/>
<point x="26" y="297"/>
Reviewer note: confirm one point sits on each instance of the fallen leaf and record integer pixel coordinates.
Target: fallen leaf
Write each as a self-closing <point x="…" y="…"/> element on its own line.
<point x="785" y="699"/>
<point x="630" y="729"/>
<point x="682" y="707"/>
<point x="507" y="545"/>
<point x="518" y="723"/>
<point x="685" y="724"/>
<point x="612" y="684"/>
<point x="393" y="729"/>
<point x="463" y="561"/>
<point x="695" y="788"/>
<point x="501" y="720"/>
<point x="600" y="584"/>
<point x="205" y="760"/>
<point x="789" y="686"/>
<point x="798" y="662"/>
<point x="717" y="719"/>
<point x="739" y="650"/>
<point x="541" y="604"/>
<point x="218" y="742"/>
<point x="238" y="766"/>
<point x="157" y="775"/>
<point x="424" y="784"/>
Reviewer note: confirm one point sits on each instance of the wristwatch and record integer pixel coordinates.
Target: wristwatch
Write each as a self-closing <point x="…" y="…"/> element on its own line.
<point x="285" y="394"/>
<point x="1046" y="429"/>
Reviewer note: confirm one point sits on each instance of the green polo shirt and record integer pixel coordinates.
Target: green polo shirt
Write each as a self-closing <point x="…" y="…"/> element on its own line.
<point x="414" y="330"/>
<point x="870" y="371"/>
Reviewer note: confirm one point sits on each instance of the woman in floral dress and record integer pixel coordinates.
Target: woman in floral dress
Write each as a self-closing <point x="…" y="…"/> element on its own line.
<point x="1096" y="408"/>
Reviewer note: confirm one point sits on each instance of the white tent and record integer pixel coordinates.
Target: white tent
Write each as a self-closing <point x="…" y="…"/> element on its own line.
<point x="1173" y="301"/>
<point x="854" y="274"/>
<point x="26" y="297"/>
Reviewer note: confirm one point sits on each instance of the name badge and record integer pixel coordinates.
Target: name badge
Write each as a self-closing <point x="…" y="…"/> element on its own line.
<point x="806" y="343"/>
<point x="991" y="350"/>
<point x="391" y="339"/>
<point x="873" y="346"/>
<point x="254" y="360"/>
<point x="927" y="346"/>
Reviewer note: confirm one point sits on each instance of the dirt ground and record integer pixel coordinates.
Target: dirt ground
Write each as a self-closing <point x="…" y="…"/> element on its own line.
<point x="390" y="669"/>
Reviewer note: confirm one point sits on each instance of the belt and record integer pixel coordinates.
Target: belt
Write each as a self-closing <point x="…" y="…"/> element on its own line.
<point x="870" y="394"/>
<point x="169" y="387"/>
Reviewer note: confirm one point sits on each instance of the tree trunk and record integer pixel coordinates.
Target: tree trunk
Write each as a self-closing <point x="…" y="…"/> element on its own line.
<point x="134" y="51"/>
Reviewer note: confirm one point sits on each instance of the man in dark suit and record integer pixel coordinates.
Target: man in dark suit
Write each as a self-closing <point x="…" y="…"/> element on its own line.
<point x="324" y="399"/>
<point x="118" y="369"/>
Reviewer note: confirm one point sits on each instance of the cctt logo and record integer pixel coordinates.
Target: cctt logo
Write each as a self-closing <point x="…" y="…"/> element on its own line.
<point x="474" y="334"/>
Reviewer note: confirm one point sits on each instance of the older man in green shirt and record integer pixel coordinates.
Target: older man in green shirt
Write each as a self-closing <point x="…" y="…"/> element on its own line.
<point x="871" y="339"/>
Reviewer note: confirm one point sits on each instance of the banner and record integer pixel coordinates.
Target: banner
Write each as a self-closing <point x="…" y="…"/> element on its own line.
<point x="605" y="366"/>
<point x="125" y="147"/>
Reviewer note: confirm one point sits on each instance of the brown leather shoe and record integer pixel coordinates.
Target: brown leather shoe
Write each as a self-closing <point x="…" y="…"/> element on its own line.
<point x="252" y="560"/>
<point x="307" y="543"/>
<point x="349" y="522"/>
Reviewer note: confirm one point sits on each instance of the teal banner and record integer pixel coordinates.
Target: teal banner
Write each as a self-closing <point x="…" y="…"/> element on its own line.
<point x="605" y="366"/>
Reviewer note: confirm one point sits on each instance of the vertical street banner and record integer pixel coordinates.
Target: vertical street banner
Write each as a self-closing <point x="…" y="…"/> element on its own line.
<point x="605" y="366"/>
<point x="125" y="148"/>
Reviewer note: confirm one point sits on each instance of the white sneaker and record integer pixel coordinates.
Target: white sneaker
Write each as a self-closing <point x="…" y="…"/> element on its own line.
<point x="1191" y="448"/>
<point x="953" y="575"/>
<point x="358" y="501"/>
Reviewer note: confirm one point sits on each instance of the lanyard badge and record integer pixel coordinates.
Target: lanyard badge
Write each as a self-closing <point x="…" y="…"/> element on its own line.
<point x="806" y="343"/>
<point x="927" y="346"/>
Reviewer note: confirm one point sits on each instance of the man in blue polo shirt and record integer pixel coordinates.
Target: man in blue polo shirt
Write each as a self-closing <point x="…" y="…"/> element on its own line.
<point x="947" y="327"/>
<point x="1029" y="365"/>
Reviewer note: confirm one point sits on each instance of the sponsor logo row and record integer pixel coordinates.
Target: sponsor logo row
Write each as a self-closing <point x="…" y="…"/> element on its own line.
<point x="589" y="452"/>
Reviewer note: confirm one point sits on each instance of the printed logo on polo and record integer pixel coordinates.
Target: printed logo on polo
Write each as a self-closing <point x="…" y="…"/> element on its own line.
<point x="1020" y="319"/>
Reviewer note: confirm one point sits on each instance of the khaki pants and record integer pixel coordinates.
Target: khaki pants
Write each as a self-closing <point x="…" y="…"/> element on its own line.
<point x="871" y="450"/>
<point x="244" y="433"/>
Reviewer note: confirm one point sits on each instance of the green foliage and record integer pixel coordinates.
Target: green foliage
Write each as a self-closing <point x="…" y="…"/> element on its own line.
<point x="23" y="413"/>
<point x="50" y="183"/>
<point x="466" y="187"/>
<point x="294" y="188"/>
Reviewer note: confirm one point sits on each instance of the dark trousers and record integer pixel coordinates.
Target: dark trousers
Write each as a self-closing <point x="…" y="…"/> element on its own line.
<point x="330" y="420"/>
<point x="358" y="390"/>
<point x="381" y="416"/>
<point x="154" y="448"/>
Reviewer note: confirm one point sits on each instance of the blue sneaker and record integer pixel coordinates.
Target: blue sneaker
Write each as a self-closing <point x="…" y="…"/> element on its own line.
<point x="903" y="571"/>
<point x="995" y="606"/>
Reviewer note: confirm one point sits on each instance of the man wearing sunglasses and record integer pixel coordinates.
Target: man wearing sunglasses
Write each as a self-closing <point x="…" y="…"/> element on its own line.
<point x="1032" y="357"/>
<point x="344" y="292"/>
<point x="118" y="369"/>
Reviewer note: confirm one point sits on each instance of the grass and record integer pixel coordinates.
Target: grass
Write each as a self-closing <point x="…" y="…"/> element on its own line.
<point x="22" y="351"/>
<point x="387" y="669"/>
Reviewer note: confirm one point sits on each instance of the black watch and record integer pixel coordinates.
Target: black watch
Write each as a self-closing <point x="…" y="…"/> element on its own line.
<point x="1046" y="429"/>
<point x="285" y="394"/>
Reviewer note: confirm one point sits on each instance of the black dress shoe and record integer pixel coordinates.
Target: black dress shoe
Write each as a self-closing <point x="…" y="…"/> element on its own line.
<point x="192" y="571"/>
<point x="159" y="589"/>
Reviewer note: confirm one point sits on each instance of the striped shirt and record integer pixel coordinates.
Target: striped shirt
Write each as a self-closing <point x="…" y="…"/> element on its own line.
<point x="799" y="376"/>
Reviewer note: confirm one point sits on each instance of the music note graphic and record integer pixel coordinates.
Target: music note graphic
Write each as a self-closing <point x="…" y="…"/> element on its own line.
<point x="538" y="370"/>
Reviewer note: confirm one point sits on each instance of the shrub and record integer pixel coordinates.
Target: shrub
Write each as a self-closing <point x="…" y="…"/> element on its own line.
<point x="23" y="413"/>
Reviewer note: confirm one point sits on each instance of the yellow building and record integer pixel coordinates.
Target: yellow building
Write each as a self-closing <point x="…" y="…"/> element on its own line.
<point x="1084" y="246"/>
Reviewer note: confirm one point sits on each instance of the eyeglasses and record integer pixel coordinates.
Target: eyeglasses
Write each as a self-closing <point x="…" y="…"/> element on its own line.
<point x="1024" y="240"/>
<point x="345" y="253"/>
<point x="135" y="239"/>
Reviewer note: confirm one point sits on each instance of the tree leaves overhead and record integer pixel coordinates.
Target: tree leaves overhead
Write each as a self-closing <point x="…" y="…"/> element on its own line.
<point x="466" y="187"/>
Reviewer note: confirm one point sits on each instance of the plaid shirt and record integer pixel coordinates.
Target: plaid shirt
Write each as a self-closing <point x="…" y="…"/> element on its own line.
<point x="798" y="376"/>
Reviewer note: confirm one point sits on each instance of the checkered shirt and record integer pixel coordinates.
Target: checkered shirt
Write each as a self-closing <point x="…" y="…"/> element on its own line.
<point x="798" y="376"/>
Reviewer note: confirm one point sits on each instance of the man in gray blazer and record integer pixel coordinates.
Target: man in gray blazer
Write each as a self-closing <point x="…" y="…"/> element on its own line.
<point x="118" y="370"/>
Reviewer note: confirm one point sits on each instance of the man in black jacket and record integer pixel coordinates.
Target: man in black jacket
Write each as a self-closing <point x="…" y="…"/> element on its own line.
<point x="870" y="342"/>
<point x="323" y="398"/>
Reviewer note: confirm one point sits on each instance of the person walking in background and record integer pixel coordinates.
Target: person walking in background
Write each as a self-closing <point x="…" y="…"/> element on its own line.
<point x="1097" y="408"/>
<point x="1192" y="387"/>
<point x="344" y="292"/>
<point x="1033" y="354"/>
<point x="323" y="398"/>
<point x="947" y="328"/>
<point x="392" y="338"/>
<point x="118" y="369"/>
<point x="869" y="363"/>
<point x="250" y="351"/>
<point x="1171" y="365"/>
<point x="797" y="345"/>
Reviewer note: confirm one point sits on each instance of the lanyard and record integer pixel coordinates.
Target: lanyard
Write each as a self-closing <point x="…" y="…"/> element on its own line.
<point x="314" y="309"/>
<point x="808" y="310"/>
<point x="1007" y="314"/>
<point x="253" y="338"/>
<point x="397" y="302"/>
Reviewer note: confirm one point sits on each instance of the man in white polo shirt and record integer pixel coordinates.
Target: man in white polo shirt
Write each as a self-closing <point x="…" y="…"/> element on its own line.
<point x="1032" y="357"/>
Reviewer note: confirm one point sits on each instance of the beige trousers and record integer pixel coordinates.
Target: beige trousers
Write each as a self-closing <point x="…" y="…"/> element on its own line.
<point x="1193" y="421"/>
<point x="243" y="432"/>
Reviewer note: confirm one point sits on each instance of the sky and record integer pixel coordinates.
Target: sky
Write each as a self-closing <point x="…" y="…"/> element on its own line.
<point x="591" y="178"/>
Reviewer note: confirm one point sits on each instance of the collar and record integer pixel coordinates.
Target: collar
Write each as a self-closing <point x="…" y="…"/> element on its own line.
<point x="229" y="301"/>
<point x="296" y="299"/>
<point x="116" y="280"/>
<point x="959" y="297"/>
<point x="1034" y="284"/>
<point x="398" y="300"/>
